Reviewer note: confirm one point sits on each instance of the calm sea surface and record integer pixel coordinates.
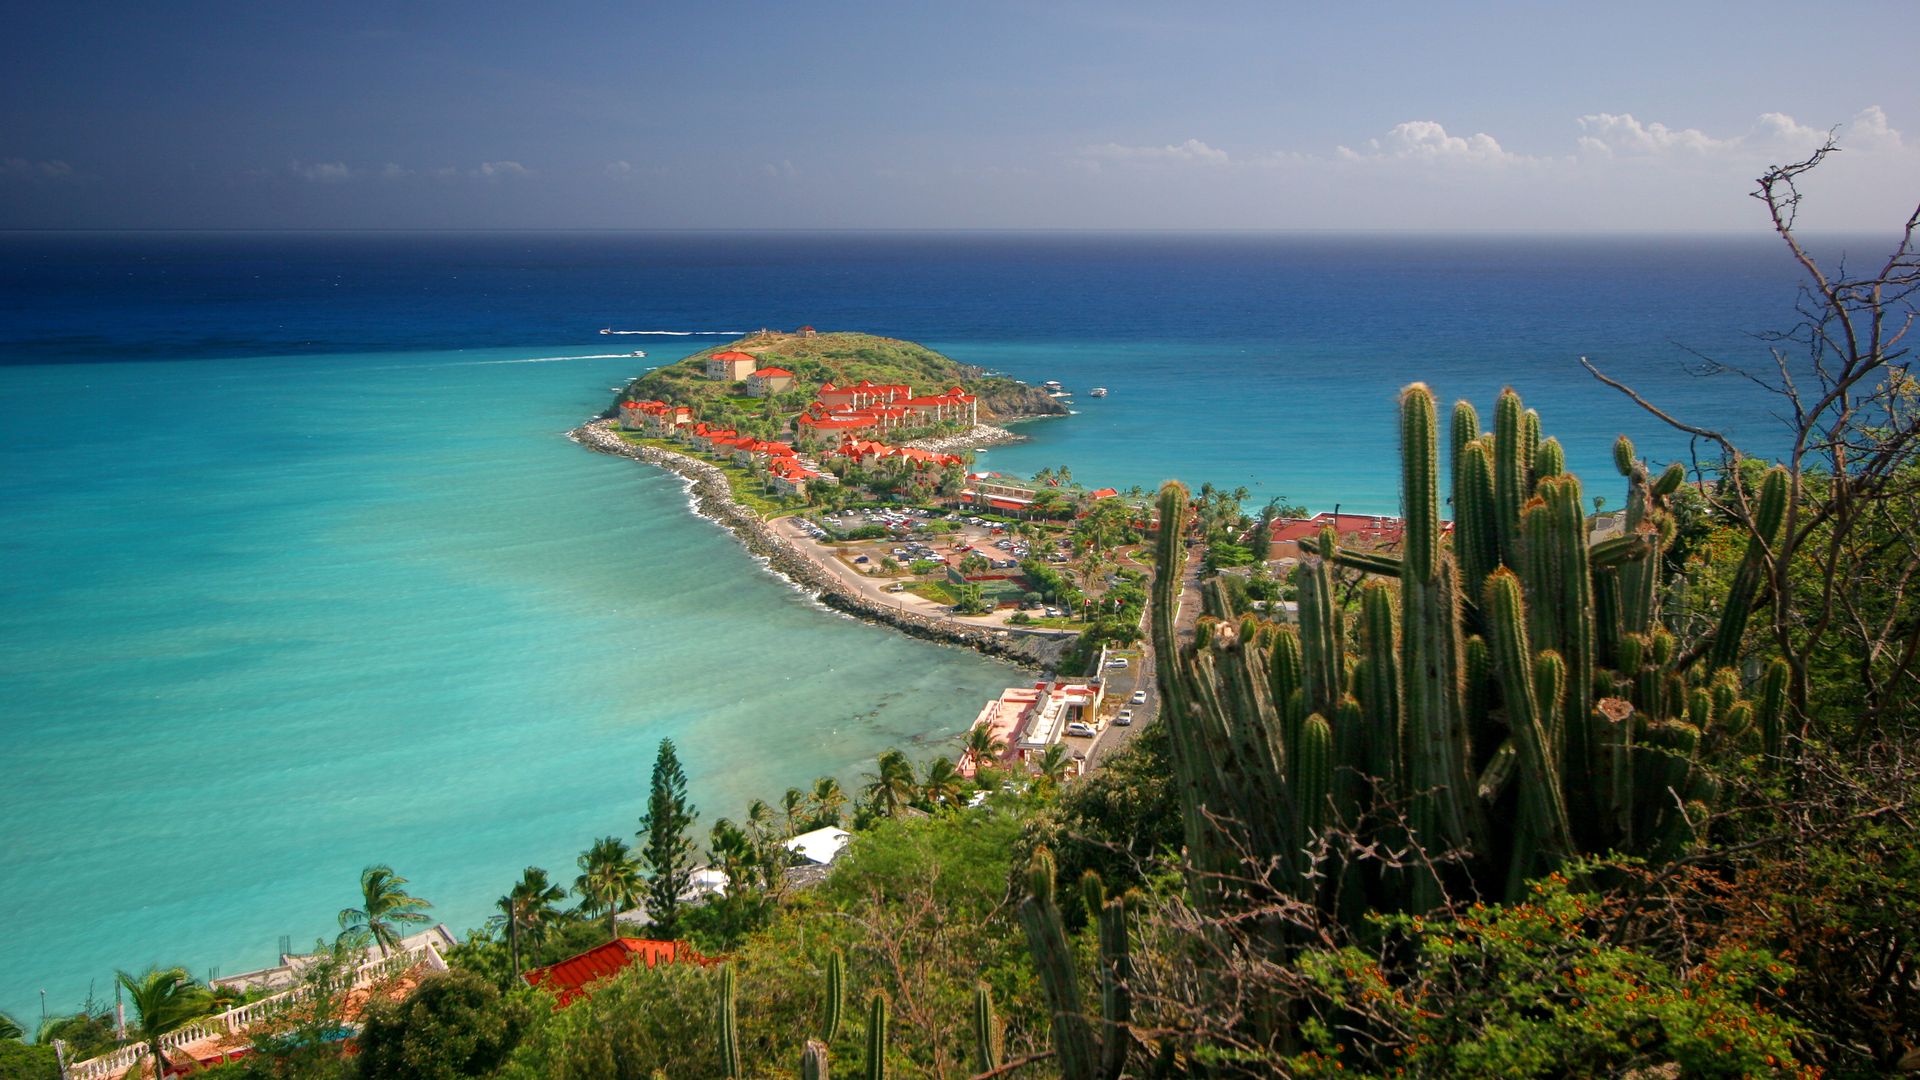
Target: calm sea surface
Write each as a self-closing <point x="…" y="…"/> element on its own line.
<point x="297" y="572"/>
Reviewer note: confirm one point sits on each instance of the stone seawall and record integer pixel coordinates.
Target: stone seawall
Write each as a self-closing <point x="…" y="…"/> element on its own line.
<point x="713" y="499"/>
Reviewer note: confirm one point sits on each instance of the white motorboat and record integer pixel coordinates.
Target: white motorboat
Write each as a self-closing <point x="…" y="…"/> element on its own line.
<point x="638" y="352"/>
<point x="1098" y="391"/>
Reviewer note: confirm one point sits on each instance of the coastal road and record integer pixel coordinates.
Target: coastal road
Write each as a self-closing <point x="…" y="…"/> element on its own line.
<point x="1141" y="675"/>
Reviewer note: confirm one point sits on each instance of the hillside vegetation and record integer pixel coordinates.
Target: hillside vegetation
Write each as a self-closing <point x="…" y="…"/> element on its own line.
<point x="841" y="358"/>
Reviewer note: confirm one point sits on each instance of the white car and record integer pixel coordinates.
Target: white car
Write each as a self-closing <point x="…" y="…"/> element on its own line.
<point x="1083" y="730"/>
<point x="1124" y="718"/>
<point x="1117" y="662"/>
<point x="1139" y="698"/>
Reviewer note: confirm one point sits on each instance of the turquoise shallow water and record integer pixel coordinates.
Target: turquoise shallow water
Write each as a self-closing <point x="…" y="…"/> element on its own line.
<point x="270" y="620"/>
<point x="286" y="587"/>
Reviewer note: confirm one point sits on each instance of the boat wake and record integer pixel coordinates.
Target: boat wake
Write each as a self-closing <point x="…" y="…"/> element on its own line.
<point x="553" y="359"/>
<point x="678" y="333"/>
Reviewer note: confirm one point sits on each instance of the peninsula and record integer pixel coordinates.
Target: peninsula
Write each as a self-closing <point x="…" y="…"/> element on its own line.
<point x="842" y="459"/>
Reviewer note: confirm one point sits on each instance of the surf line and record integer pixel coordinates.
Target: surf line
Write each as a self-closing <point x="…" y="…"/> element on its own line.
<point x="678" y="333"/>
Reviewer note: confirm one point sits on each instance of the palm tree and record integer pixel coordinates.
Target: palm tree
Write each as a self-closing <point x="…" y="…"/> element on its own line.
<point x="759" y="820"/>
<point x="944" y="784"/>
<point x="609" y="881"/>
<point x="893" y="787"/>
<point x="527" y="908"/>
<point x="827" y="800"/>
<point x="1054" y="764"/>
<point x="793" y="802"/>
<point x="10" y="1029"/>
<point x="384" y="901"/>
<point x="983" y="746"/>
<point x="163" y="1002"/>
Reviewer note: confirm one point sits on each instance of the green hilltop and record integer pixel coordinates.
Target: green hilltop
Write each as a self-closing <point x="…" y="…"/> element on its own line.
<point x="842" y="358"/>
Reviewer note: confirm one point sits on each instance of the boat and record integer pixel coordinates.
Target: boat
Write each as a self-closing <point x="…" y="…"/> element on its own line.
<point x="1098" y="391"/>
<point x="638" y="352"/>
<point x="607" y="330"/>
<point x="1051" y="384"/>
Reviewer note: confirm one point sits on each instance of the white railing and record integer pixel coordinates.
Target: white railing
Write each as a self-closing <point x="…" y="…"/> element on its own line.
<point x="234" y="1021"/>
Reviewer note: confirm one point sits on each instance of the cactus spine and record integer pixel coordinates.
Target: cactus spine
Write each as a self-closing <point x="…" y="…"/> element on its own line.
<point x="728" y="1028"/>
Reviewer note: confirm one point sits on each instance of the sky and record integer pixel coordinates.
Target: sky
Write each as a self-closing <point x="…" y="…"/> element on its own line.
<point x="904" y="114"/>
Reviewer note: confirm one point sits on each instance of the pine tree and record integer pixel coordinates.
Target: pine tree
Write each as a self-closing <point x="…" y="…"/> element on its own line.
<point x="665" y="847"/>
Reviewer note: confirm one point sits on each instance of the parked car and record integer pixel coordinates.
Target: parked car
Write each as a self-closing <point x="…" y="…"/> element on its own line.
<point x="1139" y="697"/>
<point x="1084" y="730"/>
<point x="1117" y="662"/>
<point x="1124" y="718"/>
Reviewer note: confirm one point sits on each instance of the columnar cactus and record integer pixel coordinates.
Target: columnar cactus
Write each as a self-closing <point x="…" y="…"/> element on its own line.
<point x="813" y="1061"/>
<point x="1073" y="1040"/>
<point x="1514" y="692"/>
<point x="877" y="1038"/>
<point x="728" y="1027"/>
<point x="986" y="1031"/>
<point x="836" y="1002"/>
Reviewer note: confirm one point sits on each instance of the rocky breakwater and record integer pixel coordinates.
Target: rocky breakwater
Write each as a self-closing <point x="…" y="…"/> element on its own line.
<point x="713" y="499"/>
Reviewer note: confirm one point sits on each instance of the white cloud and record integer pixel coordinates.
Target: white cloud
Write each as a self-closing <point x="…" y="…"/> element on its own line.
<point x="391" y="171"/>
<point x="1428" y="140"/>
<point x="782" y="168"/>
<point x="321" y="172"/>
<point x="1611" y="134"/>
<point x="490" y="170"/>
<point x="1870" y="130"/>
<point x="618" y="168"/>
<point x="1193" y="150"/>
<point x="1621" y="135"/>
<point x="22" y="168"/>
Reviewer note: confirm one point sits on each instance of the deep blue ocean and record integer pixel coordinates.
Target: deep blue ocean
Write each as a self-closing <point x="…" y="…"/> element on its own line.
<point x="297" y="572"/>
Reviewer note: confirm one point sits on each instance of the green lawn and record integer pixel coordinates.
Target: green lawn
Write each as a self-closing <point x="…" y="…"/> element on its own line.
<point x="932" y="590"/>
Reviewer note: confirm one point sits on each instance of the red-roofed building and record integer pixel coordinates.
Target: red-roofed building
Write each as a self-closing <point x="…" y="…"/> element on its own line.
<point x="788" y="477"/>
<point x="655" y="417"/>
<point x="808" y="331"/>
<point x="731" y="366"/>
<point x="955" y="404"/>
<point x="1026" y="720"/>
<point x="1358" y="530"/>
<point x="1104" y="493"/>
<point x="769" y="381"/>
<point x="705" y="435"/>
<point x="863" y="394"/>
<point x="570" y="978"/>
<point x="866" y="453"/>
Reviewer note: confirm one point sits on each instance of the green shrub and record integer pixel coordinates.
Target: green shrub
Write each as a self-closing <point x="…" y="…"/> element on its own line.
<point x="452" y="1025"/>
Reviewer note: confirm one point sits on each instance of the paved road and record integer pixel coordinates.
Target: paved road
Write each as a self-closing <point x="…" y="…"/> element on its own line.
<point x="1140" y="674"/>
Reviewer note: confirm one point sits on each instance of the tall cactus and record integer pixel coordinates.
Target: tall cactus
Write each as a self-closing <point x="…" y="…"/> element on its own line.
<point x="728" y="1027"/>
<point x="877" y="1038"/>
<point x="986" y="1031"/>
<point x="1073" y="1041"/>
<point x="813" y="1061"/>
<point x="836" y="1002"/>
<point x="1768" y="514"/>
<point x="1444" y="813"/>
<point x="1520" y="698"/>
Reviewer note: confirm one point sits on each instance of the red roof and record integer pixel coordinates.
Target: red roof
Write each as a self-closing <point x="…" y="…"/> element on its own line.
<point x="569" y="978"/>
<point x="1105" y="493"/>
<point x="733" y="354"/>
<point x="774" y="373"/>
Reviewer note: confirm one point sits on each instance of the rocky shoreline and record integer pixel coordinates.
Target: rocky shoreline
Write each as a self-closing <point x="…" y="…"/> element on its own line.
<point x="713" y="499"/>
